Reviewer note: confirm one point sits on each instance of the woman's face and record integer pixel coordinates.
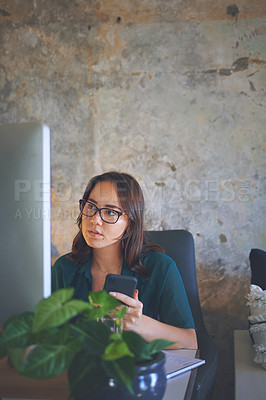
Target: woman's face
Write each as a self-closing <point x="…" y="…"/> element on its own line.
<point x="97" y="233"/>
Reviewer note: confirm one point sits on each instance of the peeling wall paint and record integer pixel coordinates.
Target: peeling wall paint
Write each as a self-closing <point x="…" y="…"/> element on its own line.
<point x="171" y="92"/>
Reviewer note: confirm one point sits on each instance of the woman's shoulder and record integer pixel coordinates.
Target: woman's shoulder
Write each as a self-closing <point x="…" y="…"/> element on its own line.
<point x="163" y="268"/>
<point x="155" y="259"/>
<point x="156" y="255"/>
<point x="65" y="262"/>
<point x="63" y="272"/>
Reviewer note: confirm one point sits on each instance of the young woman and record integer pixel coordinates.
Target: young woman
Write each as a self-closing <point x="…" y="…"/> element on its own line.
<point x="111" y="240"/>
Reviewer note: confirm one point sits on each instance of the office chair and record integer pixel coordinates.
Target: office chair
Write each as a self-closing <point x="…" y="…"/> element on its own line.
<point x="179" y="245"/>
<point x="257" y="260"/>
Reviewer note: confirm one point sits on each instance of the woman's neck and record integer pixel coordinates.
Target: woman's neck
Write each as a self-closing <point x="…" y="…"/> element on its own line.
<point x="107" y="260"/>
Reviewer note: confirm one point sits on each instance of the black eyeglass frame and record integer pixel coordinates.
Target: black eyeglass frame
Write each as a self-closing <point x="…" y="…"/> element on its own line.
<point x="82" y="204"/>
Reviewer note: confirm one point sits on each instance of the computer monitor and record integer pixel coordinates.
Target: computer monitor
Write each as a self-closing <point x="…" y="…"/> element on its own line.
<point x="25" y="233"/>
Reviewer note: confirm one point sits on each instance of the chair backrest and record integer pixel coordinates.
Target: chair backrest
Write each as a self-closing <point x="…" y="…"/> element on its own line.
<point x="179" y="245"/>
<point x="257" y="260"/>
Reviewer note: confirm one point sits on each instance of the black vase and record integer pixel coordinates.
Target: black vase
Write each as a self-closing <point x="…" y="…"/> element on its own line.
<point x="149" y="383"/>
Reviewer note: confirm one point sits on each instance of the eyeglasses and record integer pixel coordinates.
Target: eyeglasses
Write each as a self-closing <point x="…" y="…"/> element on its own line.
<point x="107" y="214"/>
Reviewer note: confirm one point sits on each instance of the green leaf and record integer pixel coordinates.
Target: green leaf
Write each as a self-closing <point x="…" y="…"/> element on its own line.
<point x="57" y="309"/>
<point x="120" y="313"/>
<point x="56" y="335"/>
<point x="95" y="313"/>
<point x="116" y="336"/>
<point x="136" y="344"/>
<point x="115" y="350"/>
<point x="59" y="336"/>
<point x="101" y="304"/>
<point x="142" y="349"/>
<point x="96" y="334"/>
<point x="16" y="357"/>
<point x="47" y="361"/>
<point x="85" y="374"/>
<point x="63" y="295"/>
<point x="122" y="370"/>
<point x="16" y="331"/>
<point x="104" y="300"/>
<point x="157" y="345"/>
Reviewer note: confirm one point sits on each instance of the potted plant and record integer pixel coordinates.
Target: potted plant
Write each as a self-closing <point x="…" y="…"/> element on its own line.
<point x="64" y="333"/>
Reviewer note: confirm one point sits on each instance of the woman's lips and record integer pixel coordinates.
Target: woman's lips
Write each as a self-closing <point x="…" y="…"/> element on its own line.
<point x="95" y="234"/>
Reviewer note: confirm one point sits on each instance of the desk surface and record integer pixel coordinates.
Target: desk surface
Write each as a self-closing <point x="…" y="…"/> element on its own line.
<point x="13" y="386"/>
<point x="250" y="378"/>
<point x="177" y="388"/>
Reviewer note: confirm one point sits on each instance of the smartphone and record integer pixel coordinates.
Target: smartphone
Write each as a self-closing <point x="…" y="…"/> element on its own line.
<point x="120" y="283"/>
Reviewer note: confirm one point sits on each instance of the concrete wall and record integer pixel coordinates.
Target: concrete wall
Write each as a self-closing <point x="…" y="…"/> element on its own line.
<point x="172" y="92"/>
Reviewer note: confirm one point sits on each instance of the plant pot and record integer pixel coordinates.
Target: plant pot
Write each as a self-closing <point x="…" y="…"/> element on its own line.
<point x="149" y="383"/>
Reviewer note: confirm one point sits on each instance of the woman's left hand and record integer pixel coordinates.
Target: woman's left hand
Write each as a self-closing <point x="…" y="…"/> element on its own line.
<point x="132" y="320"/>
<point x="150" y="328"/>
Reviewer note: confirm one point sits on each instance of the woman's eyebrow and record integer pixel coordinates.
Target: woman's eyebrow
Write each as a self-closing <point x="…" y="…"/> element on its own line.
<point x="106" y="205"/>
<point x="92" y="201"/>
<point x="112" y="206"/>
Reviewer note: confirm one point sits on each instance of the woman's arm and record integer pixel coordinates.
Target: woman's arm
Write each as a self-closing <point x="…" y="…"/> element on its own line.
<point x="151" y="329"/>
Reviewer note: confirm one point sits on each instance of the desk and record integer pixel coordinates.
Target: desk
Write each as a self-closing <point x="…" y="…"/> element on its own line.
<point x="250" y="378"/>
<point x="14" y="386"/>
<point x="180" y="387"/>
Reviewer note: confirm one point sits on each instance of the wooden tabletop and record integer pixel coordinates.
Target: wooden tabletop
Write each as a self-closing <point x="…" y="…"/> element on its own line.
<point x="14" y="386"/>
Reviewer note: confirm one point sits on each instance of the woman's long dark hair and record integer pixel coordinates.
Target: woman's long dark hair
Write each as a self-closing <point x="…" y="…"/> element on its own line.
<point x="134" y="243"/>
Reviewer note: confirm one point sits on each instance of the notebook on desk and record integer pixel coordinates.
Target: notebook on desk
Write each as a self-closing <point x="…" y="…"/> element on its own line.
<point x="176" y="364"/>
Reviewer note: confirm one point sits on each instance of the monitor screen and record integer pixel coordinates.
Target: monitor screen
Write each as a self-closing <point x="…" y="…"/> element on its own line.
<point x="25" y="233"/>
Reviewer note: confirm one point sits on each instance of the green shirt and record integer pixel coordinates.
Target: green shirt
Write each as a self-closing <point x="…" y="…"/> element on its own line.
<point x="163" y="295"/>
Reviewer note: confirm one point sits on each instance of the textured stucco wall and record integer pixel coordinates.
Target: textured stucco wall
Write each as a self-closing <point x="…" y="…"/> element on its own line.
<point x="172" y="92"/>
